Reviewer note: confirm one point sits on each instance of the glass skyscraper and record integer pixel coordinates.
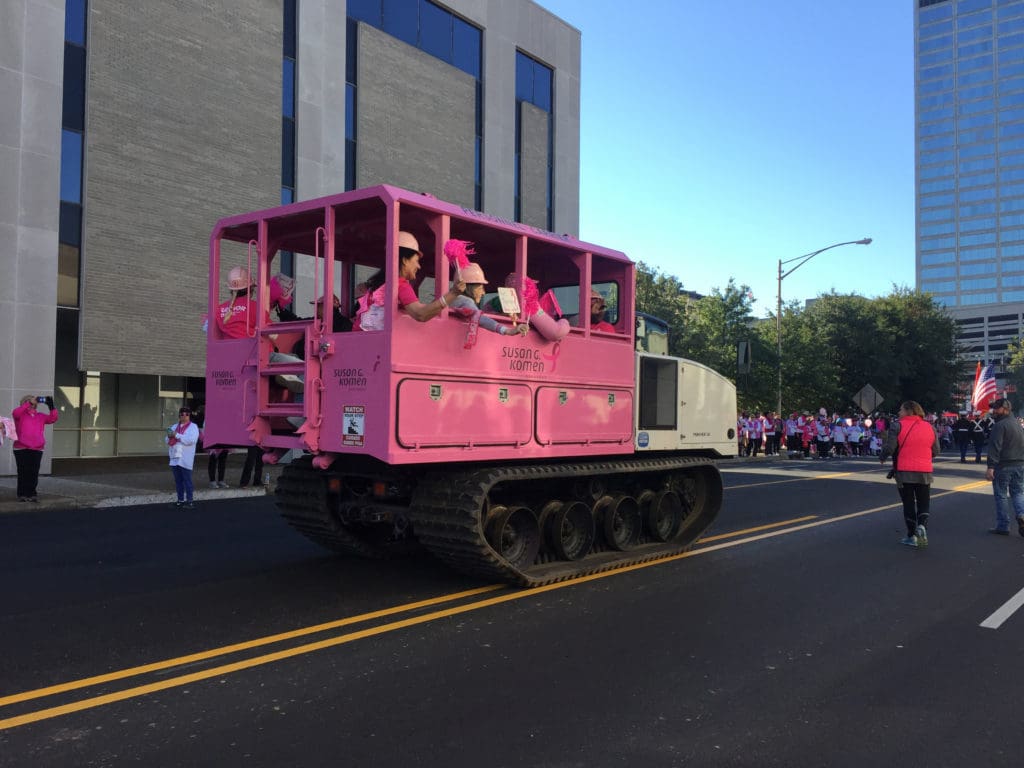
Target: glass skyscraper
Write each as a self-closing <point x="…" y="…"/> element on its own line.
<point x="969" y="120"/>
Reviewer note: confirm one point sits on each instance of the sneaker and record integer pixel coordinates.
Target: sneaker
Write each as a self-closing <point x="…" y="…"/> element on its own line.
<point x="190" y="505"/>
<point x="23" y="498"/>
<point x="998" y="531"/>
<point x="33" y="499"/>
<point x="178" y="503"/>
<point x="909" y="541"/>
<point x="1020" y="525"/>
<point x="922" y="536"/>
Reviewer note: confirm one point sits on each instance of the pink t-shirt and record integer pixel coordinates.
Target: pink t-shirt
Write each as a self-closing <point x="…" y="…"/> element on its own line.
<point x="406" y="294"/>
<point x="233" y="318"/>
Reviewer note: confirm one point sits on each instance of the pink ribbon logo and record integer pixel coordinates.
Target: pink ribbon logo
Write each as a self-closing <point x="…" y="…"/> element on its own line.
<point x="553" y="357"/>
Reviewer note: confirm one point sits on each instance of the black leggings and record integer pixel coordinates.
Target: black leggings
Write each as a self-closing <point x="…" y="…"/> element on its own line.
<point x="216" y="466"/>
<point x="916" y="498"/>
<point x="28" y="462"/>
<point x="253" y="467"/>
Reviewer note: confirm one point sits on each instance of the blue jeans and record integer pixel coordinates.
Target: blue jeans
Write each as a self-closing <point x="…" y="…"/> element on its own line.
<point x="1008" y="486"/>
<point x="183" y="482"/>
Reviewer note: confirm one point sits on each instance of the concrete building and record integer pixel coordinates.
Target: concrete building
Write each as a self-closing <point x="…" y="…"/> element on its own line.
<point x="969" y="118"/>
<point x="130" y="126"/>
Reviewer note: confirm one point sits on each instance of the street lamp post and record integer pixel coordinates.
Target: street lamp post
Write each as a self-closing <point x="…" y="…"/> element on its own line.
<point x="778" y="309"/>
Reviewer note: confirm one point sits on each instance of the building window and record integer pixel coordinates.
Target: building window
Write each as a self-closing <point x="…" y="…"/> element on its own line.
<point x="288" y="110"/>
<point x="72" y="157"/>
<point x="71" y="166"/>
<point x="67" y="377"/>
<point x="289" y="81"/>
<point x="534" y="85"/>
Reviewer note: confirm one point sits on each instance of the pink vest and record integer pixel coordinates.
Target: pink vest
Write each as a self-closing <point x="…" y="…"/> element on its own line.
<point x="915" y="440"/>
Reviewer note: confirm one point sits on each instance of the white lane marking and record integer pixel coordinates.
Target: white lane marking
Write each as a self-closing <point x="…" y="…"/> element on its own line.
<point x="1005" y="611"/>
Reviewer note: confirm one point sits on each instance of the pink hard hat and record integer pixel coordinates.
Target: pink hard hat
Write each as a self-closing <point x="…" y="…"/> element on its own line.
<point x="407" y="240"/>
<point x="238" y="279"/>
<point x="472" y="273"/>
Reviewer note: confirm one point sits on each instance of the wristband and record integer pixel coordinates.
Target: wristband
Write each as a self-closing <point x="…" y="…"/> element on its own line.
<point x="441" y="299"/>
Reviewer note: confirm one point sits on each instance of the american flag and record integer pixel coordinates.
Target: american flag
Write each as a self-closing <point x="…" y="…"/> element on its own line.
<point x="985" y="388"/>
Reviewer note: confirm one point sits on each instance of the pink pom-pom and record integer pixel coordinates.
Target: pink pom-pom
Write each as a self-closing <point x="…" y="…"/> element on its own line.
<point x="459" y="251"/>
<point x="531" y="297"/>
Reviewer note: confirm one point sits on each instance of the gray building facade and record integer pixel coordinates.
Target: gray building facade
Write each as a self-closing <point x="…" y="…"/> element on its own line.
<point x="134" y="126"/>
<point x="969" y="159"/>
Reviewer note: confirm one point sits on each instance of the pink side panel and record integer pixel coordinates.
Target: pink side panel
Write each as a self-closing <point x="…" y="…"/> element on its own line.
<point x="438" y="412"/>
<point x="230" y="391"/>
<point x="357" y="381"/>
<point x="574" y="414"/>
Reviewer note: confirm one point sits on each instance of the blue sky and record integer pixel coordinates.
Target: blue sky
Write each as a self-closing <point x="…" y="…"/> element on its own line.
<point x="718" y="138"/>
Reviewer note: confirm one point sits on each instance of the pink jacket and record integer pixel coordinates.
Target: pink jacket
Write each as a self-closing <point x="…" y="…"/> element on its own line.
<point x="30" y="424"/>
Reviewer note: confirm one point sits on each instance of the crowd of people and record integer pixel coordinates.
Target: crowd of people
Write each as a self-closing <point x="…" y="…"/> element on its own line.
<point x="825" y="435"/>
<point x="806" y="435"/>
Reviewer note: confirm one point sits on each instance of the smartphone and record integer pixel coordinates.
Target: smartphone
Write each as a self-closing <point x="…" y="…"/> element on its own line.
<point x="40" y="399"/>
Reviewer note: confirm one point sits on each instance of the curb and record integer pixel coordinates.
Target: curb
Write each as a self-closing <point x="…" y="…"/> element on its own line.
<point x="168" y="498"/>
<point x="97" y="502"/>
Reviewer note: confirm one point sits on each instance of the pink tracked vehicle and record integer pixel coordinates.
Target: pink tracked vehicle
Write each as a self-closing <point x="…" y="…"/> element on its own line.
<point x="529" y="440"/>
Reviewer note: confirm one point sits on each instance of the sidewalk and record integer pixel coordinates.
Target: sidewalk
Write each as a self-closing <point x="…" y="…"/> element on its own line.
<point x="78" y="483"/>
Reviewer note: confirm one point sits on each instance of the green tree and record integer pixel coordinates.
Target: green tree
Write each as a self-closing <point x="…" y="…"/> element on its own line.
<point x="925" y="351"/>
<point x="809" y="379"/>
<point x="1014" y="370"/>
<point x="903" y="344"/>
<point x="663" y="297"/>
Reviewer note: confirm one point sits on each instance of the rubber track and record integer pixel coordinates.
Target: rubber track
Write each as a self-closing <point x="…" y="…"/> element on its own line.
<point x="301" y="495"/>
<point x="446" y="512"/>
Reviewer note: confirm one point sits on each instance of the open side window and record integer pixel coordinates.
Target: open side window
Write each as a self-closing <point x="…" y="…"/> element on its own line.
<point x="659" y="387"/>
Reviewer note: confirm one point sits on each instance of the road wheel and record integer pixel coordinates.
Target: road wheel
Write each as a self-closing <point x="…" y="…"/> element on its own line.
<point x="622" y="522"/>
<point x="571" y="531"/>
<point x="514" y="534"/>
<point x="663" y="515"/>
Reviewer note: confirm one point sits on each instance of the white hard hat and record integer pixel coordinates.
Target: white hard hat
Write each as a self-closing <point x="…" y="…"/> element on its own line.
<point x="238" y="279"/>
<point x="406" y="240"/>
<point x="472" y="273"/>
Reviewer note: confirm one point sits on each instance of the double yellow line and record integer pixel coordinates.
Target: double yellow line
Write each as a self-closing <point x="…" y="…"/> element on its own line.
<point x="225" y="669"/>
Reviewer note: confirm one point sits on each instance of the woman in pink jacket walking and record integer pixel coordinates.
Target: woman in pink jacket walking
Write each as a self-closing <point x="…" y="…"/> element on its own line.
<point x="28" y="448"/>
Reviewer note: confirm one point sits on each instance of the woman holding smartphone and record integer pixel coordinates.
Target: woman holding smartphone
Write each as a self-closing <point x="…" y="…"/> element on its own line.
<point x="28" y="448"/>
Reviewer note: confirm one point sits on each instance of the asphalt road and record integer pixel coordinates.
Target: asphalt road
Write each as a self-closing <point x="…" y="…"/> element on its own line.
<point x="797" y="633"/>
